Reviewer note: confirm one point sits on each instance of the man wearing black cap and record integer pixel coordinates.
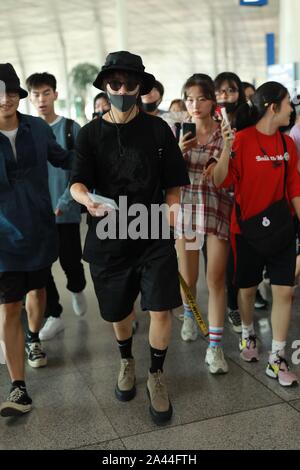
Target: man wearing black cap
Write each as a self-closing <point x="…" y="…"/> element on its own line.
<point x="130" y="154"/>
<point x="28" y="244"/>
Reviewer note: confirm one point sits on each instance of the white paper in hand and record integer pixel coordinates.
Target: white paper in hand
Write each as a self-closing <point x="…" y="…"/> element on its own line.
<point x="103" y="200"/>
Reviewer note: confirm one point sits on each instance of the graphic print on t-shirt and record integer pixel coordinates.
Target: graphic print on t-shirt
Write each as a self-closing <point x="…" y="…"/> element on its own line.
<point x="130" y="174"/>
<point x="258" y="171"/>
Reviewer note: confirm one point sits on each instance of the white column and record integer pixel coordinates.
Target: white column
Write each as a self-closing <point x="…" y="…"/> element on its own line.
<point x="64" y="61"/>
<point x="214" y="39"/>
<point x="289" y="29"/>
<point x="100" y="44"/>
<point x="122" y="25"/>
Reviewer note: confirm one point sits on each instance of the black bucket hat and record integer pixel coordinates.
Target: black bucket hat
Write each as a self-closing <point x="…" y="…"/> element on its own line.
<point x="10" y="78"/>
<point x="125" y="61"/>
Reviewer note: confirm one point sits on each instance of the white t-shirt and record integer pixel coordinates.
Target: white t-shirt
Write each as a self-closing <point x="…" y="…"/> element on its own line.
<point x="59" y="118"/>
<point x="11" y="135"/>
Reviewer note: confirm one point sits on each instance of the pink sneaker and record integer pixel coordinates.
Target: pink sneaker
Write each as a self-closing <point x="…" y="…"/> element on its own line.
<point x="280" y="371"/>
<point x="248" y="348"/>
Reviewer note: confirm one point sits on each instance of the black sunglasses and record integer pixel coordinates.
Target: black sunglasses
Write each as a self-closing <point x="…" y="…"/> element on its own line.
<point x="129" y="84"/>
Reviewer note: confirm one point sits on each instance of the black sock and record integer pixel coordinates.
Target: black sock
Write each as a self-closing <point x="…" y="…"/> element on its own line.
<point x="32" y="337"/>
<point x="125" y="348"/>
<point x="19" y="384"/>
<point x="157" y="359"/>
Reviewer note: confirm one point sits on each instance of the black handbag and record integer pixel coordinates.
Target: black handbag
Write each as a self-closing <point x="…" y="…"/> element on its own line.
<point x="273" y="229"/>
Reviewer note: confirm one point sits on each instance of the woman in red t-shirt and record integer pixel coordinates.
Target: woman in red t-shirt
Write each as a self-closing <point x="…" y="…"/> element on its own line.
<point x="255" y="164"/>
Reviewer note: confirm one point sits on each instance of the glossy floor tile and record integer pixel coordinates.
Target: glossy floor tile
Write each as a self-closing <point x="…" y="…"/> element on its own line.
<point x="75" y="406"/>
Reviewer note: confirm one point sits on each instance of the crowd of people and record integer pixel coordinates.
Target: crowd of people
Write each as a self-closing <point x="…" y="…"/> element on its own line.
<point x="220" y="159"/>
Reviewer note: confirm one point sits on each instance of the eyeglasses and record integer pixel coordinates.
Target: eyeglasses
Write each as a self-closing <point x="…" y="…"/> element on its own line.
<point x="129" y="84"/>
<point x="227" y="91"/>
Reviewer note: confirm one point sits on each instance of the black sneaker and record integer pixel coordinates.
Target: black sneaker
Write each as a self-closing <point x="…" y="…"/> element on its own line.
<point x="260" y="302"/>
<point x="18" y="402"/>
<point x="235" y="320"/>
<point x="36" y="356"/>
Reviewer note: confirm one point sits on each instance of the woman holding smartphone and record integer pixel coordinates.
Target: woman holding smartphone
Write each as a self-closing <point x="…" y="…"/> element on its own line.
<point x="230" y="95"/>
<point x="263" y="170"/>
<point x="210" y="210"/>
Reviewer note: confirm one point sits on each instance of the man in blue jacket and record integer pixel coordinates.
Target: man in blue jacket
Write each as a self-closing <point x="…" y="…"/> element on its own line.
<point x="43" y="94"/>
<point x="28" y="235"/>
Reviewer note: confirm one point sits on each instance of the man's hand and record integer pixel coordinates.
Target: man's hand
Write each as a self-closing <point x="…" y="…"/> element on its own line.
<point x="97" y="210"/>
<point x="80" y="194"/>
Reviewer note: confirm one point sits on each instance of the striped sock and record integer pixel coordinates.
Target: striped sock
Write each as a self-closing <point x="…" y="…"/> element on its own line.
<point x="215" y="336"/>
<point x="247" y="330"/>
<point x="278" y="347"/>
<point x="187" y="311"/>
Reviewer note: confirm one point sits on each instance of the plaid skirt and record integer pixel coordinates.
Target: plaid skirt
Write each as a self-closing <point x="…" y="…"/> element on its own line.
<point x="205" y="210"/>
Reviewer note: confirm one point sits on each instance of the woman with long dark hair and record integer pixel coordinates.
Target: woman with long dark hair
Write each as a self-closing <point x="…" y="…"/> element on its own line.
<point x="230" y="95"/>
<point x="215" y="207"/>
<point x="263" y="170"/>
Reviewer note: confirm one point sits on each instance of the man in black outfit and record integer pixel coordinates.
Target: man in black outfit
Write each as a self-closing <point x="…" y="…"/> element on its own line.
<point x="131" y="154"/>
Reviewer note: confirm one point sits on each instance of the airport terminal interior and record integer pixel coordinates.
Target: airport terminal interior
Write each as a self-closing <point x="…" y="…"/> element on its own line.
<point x="74" y="402"/>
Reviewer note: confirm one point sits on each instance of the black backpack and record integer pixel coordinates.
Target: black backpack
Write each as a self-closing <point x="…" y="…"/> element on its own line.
<point x="69" y="134"/>
<point x="70" y="144"/>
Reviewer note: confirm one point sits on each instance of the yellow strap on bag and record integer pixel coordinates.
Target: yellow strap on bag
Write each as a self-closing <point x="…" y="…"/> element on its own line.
<point x="193" y="306"/>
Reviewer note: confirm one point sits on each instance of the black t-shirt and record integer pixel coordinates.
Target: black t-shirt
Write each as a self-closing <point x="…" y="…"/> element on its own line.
<point x="139" y="160"/>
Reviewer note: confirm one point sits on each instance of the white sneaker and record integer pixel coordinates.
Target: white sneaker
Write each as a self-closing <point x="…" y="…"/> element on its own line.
<point x="216" y="360"/>
<point x="189" y="330"/>
<point x="51" y="328"/>
<point x="79" y="303"/>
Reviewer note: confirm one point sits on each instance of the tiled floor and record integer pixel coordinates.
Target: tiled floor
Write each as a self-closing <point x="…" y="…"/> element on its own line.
<point x="75" y="406"/>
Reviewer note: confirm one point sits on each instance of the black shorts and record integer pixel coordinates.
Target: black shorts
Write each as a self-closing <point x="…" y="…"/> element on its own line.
<point x="119" y="280"/>
<point x="249" y="265"/>
<point x="14" y="285"/>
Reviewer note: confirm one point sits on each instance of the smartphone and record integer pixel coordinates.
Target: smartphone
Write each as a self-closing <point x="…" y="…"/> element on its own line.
<point x="225" y="115"/>
<point x="226" y="118"/>
<point x="189" y="127"/>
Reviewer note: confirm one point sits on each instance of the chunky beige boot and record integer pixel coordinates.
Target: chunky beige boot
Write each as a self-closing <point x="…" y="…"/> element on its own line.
<point x="125" y="388"/>
<point x="160" y="405"/>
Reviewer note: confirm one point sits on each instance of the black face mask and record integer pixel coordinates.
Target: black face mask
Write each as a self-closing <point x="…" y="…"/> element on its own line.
<point x="122" y="102"/>
<point x="230" y="107"/>
<point x="150" y="107"/>
<point x="99" y="114"/>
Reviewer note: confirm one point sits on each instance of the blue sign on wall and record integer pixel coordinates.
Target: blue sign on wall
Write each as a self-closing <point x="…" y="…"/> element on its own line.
<point x="270" y="40"/>
<point x="254" y="3"/>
